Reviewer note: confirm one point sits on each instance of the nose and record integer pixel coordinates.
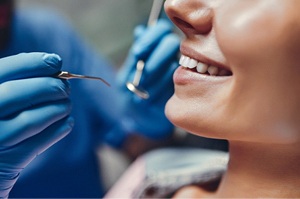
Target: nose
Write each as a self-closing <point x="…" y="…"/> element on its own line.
<point x="191" y="16"/>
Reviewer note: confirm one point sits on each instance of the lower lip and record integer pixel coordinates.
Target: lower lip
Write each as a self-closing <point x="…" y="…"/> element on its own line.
<point x="184" y="76"/>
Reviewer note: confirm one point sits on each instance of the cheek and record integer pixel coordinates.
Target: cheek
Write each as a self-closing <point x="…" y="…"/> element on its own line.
<point x="242" y="44"/>
<point x="246" y="30"/>
<point x="262" y="46"/>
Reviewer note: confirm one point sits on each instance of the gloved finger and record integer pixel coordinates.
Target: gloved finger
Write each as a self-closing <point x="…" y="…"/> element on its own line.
<point x="126" y="73"/>
<point x="152" y="36"/>
<point x="22" y="153"/>
<point x="138" y="32"/>
<point x="143" y="46"/>
<point x="24" y="93"/>
<point x="32" y="121"/>
<point x="159" y="61"/>
<point x="161" y="90"/>
<point x="27" y="65"/>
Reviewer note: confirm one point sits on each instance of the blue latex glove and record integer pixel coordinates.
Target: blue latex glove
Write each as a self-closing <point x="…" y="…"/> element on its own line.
<point x="34" y="111"/>
<point x="157" y="46"/>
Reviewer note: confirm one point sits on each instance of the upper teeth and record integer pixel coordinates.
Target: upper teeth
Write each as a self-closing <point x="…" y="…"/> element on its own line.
<point x="191" y="63"/>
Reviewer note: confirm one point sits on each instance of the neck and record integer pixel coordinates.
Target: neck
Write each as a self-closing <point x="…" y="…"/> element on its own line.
<point x="261" y="170"/>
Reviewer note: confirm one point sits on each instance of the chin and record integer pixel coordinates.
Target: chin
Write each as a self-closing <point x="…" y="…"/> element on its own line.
<point x="199" y="119"/>
<point x="189" y="118"/>
<point x="172" y="111"/>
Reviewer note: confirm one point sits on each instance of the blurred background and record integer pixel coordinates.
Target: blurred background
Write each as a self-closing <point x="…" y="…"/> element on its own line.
<point x="107" y="25"/>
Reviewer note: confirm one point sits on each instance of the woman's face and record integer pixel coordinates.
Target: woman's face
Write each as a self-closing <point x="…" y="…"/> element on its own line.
<point x="247" y="82"/>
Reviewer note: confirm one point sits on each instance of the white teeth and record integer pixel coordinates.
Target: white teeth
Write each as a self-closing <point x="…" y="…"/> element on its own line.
<point x="213" y="70"/>
<point x="192" y="63"/>
<point x="201" y="68"/>
<point x="181" y="60"/>
<point x="186" y="61"/>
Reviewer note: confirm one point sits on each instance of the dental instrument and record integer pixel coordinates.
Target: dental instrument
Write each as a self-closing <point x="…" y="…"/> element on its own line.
<point x="134" y="86"/>
<point x="67" y="75"/>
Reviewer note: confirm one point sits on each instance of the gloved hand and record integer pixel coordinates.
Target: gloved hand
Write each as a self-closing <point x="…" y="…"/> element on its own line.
<point x="157" y="46"/>
<point x="34" y="111"/>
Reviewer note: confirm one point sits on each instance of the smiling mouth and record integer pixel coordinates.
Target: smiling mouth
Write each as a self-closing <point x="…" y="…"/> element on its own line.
<point x="202" y="68"/>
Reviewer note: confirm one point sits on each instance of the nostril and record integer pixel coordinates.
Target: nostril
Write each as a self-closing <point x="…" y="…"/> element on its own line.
<point x="182" y="23"/>
<point x="198" y="22"/>
<point x="198" y="26"/>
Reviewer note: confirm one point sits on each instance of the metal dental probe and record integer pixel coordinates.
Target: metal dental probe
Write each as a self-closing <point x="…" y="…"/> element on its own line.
<point x="67" y="75"/>
<point x="134" y="86"/>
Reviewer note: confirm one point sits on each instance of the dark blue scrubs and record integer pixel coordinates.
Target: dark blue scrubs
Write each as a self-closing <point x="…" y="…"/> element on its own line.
<point x="69" y="169"/>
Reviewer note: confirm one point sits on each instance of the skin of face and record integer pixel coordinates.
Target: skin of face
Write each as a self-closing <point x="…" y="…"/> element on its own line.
<point x="259" y="42"/>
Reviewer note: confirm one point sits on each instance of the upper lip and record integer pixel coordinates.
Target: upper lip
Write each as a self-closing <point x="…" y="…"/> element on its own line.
<point x="200" y="57"/>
